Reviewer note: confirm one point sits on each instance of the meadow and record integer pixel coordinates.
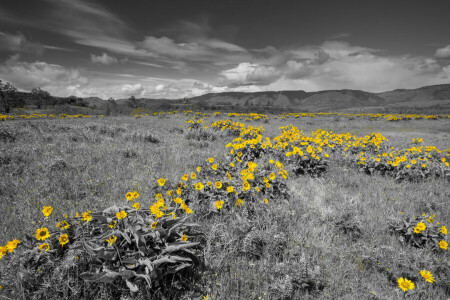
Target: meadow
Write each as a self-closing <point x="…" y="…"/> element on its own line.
<point x="289" y="206"/>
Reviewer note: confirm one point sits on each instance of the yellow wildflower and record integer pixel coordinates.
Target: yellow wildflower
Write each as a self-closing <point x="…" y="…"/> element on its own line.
<point x="121" y="214"/>
<point x="219" y="204"/>
<point x="161" y="181"/>
<point x="405" y="284"/>
<point x="42" y="234"/>
<point x="111" y="240"/>
<point x="427" y="275"/>
<point x="44" y="247"/>
<point x="47" y="210"/>
<point x="63" y="239"/>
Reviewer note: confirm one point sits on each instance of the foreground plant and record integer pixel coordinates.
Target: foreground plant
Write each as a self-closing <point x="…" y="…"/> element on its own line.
<point x="127" y="249"/>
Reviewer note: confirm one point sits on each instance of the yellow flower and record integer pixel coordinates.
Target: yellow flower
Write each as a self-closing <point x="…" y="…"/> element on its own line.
<point x="44" y="247"/>
<point x="184" y="238"/>
<point x="153" y="225"/>
<point x="193" y="175"/>
<point x="443" y="230"/>
<point x="246" y="186"/>
<point x="232" y="164"/>
<point x="408" y="166"/>
<point x="443" y="159"/>
<point x="112" y="224"/>
<point x="121" y="214"/>
<point x="47" y="210"/>
<point x="185" y="177"/>
<point x="63" y="225"/>
<point x="129" y="196"/>
<point x="135" y="195"/>
<point x="161" y="181"/>
<point x="65" y="216"/>
<point x="443" y="245"/>
<point x="430" y="219"/>
<point x="77" y="215"/>
<point x="111" y="240"/>
<point x="420" y="227"/>
<point x="424" y="165"/>
<point x="219" y="204"/>
<point x="405" y="284"/>
<point x="266" y="201"/>
<point x="210" y="160"/>
<point x="63" y="239"/>
<point x="199" y="169"/>
<point x="214" y="167"/>
<point x="3" y="251"/>
<point x="136" y="205"/>
<point x="218" y="184"/>
<point x="42" y="234"/>
<point x="272" y="176"/>
<point x="87" y="216"/>
<point x="268" y="185"/>
<point x="427" y="275"/>
<point x="239" y="202"/>
<point x="271" y="161"/>
<point x="12" y="245"/>
<point x="199" y="186"/>
<point x="230" y="189"/>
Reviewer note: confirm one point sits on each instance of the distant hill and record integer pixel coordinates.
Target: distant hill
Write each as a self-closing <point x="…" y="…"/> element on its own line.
<point x="433" y="99"/>
<point x="429" y="97"/>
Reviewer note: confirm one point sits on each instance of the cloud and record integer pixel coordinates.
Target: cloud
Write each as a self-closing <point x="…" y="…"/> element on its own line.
<point x="133" y="89"/>
<point x="26" y="76"/>
<point x="203" y="49"/>
<point x="334" y="65"/>
<point x="104" y="59"/>
<point x="443" y="52"/>
<point x="18" y="43"/>
<point x="250" y="74"/>
<point x="159" y="87"/>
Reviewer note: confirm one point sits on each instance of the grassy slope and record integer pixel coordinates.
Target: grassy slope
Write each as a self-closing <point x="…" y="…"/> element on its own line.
<point x="75" y="165"/>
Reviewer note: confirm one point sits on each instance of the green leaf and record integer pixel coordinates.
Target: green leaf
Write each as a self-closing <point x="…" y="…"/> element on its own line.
<point x="133" y="288"/>
<point x="125" y="236"/>
<point x="178" y="246"/>
<point x="104" y="277"/>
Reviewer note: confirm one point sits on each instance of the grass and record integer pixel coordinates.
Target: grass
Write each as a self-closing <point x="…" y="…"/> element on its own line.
<point x="330" y="237"/>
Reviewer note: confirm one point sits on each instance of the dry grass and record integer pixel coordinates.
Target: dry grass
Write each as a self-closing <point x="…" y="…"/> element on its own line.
<point x="330" y="238"/>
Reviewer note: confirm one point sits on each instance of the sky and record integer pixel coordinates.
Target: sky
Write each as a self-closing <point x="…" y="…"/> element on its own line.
<point x="175" y="49"/>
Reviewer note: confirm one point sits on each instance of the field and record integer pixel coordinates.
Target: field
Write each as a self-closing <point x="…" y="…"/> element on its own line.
<point x="343" y="225"/>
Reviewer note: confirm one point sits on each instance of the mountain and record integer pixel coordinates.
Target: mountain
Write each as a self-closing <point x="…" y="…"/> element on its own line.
<point x="434" y="98"/>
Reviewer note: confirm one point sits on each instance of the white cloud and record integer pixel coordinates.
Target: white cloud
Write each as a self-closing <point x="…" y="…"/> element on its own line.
<point x="248" y="74"/>
<point x="133" y="89"/>
<point x="103" y="59"/>
<point x="335" y="65"/>
<point x="159" y="87"/>
<point x="199" y="49"/>
<point x="54" y="78"/>
<point x="443" y="52"/>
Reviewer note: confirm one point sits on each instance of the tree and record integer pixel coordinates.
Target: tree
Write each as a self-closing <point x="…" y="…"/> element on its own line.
<point x="41" y="97"/>
<point x="111" y="107"/>
<point x="132" y="102"/>
<point x="7" y="93"/>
